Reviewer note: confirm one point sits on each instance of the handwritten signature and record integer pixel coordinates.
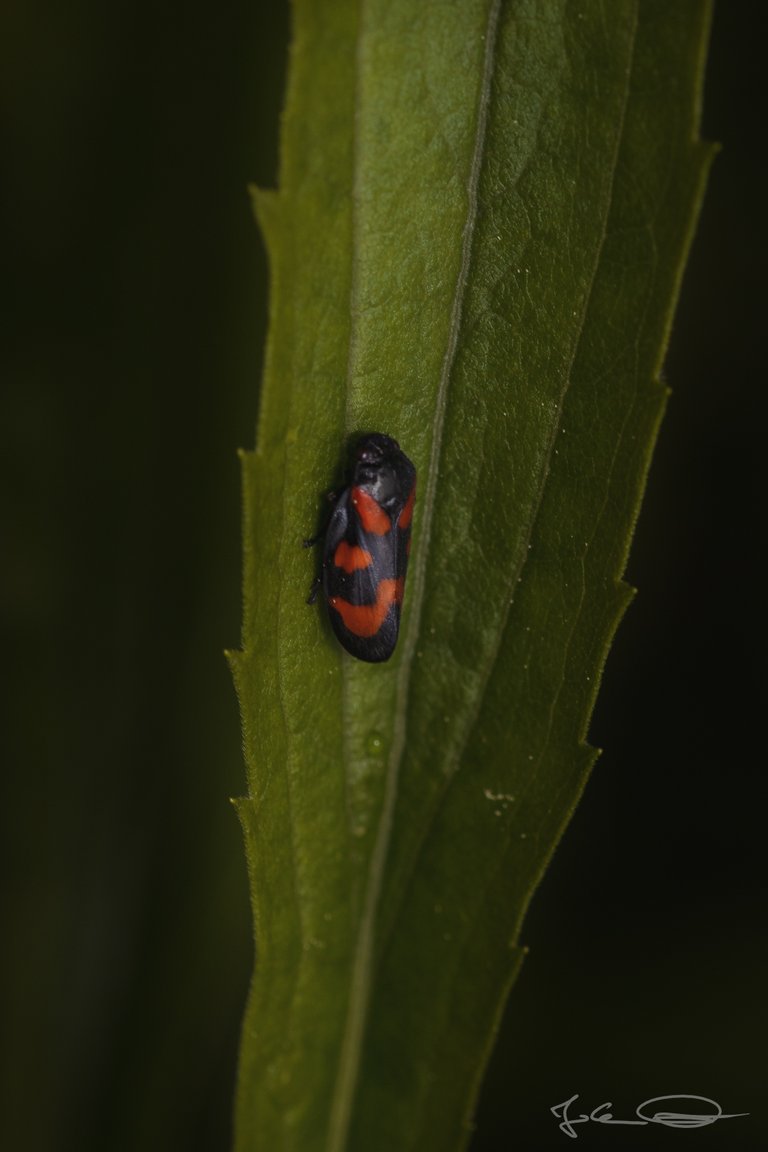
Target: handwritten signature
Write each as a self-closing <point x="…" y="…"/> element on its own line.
<point x="603" y="1115"/>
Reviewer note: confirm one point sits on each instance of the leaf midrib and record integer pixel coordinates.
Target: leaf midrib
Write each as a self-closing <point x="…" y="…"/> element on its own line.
<point x="362" y="966"/>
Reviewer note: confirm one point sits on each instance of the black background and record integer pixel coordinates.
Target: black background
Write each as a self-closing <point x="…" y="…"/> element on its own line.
<point x="134" y="305"/>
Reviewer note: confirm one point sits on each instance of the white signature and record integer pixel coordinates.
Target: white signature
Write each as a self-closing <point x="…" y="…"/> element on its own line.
<point x="603" y="1115"/>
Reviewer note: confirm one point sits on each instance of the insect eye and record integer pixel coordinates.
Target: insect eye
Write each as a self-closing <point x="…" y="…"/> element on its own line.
<point x="375" y="448"/>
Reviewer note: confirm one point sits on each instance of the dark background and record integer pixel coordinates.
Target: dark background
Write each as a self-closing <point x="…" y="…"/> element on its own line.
<point x="133" y="306"/>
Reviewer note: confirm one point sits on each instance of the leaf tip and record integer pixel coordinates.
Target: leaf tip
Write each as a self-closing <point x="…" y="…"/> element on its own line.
<point x="265" y="206"/>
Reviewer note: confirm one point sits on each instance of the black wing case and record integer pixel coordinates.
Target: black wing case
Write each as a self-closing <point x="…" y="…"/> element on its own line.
<point x="363" y="576"/>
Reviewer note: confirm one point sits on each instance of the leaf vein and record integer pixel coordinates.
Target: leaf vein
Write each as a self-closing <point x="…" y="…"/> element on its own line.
<point x="362" y="971"/>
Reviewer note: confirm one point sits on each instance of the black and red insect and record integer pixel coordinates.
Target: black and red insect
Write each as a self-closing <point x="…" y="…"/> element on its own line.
<point x="366" y="548"/>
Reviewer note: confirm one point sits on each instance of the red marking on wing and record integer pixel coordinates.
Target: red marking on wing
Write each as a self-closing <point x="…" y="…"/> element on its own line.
<point x="371" y="515"/>
<point x="366" y="619"/>
<point x="351" y="558"/>
<point x="407" y="513"/>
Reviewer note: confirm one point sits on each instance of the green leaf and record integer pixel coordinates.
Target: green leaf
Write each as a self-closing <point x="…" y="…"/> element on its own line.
<point x="476" y="245"/>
